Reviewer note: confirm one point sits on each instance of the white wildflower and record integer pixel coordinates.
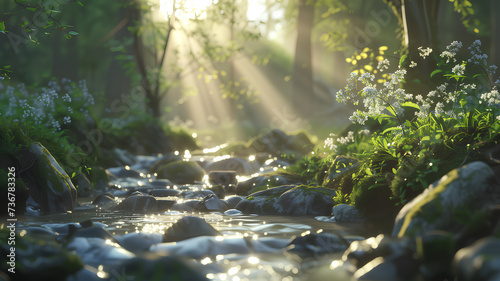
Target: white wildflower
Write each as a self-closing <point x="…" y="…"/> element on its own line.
<point x="347" y="139"/>
<point x="67" y="120"/>
<point x="413" y="64"/>
<point x="383" y="65"/>
<point x="451" y="51"/>
<point x="424" y="52"/>
<point x="458" y="69"/>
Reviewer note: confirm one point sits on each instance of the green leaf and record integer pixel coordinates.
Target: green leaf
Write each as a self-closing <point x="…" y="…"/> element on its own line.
<point x="426" y="138"/>
<point x="477" y="75"/>
<point x="402" y="59"/>
<point x="435" y="72"/>
<point x="394" y="171"/>
<point x="68" y="36"/>
<point x="391" y="129"/>
<point x="463" y="103"/>
<point x="30" y="9"/>
<point x="368" y="172"/>
<point x="410" y="104"/>
<point x="2" y="26"/>
<point x="80" y="3"/>
<point x="73" y="33"/>
<point x="6" y="67"/>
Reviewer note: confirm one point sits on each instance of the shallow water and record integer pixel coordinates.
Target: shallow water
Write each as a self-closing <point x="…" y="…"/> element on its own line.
<point x="277" y="265"/>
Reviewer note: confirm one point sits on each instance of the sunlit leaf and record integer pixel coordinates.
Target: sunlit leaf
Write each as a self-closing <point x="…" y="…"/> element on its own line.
<point x="382" y="48"/>
<point x="435" y="72"/>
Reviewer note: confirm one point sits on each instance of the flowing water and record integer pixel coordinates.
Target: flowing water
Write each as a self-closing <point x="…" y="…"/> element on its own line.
<point x="271" y="265"/>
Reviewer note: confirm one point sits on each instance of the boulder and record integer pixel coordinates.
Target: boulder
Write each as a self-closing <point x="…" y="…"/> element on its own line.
<point x="52" y="188"/>
<point x="457" y="203"/>
<point x="382" y="258"/>
<point x="346" y="213"/>
<point x="211" y="203"/>
<point x="181" y="172"/>
<point x="316" y="244"/>
<point x="479" y="261"/>
<point x="189" y="227"/>
<point x="289" y="200"/>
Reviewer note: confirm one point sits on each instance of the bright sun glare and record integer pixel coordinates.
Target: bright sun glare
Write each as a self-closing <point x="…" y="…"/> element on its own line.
<point x="190" y="8"/>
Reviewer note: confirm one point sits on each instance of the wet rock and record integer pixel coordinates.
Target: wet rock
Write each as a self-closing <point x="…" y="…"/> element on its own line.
<point x="382" y="258"/>
<point x="233" y="212"/>
<point x="219" y="190"/>
<point x="164" y="192"/>
<point x="186" y="206"/>
<point x="479" y="261"/>
<point x="455" y="203"/>
<point x="233" y="201"/>
<point x="316" y="244"/>
<point x="103" y="199"/>
<point x="41" y="233"/>
<point x="223" y="178"/>
<point x="51" y="188"/>
<point x="197" y="194"/>
<point x="138" y="204"/>
<point x="266" y="181"/>
<point x="82" y="184"/>
<point x="92" y="232"/>
<point x="167" y="159"/>
<point x="36" y="259"/>
<point x="189" y="227"/>
<point x="211" y="203"/>
<point x="262" y="202"/>
<point x="165" y="204"/>
<point x="346" y="213"/>
<point x="161" y="183"/>
<point x="289" y="200"/>
<point x="138" y="242"/>
<point x="204" y="246"/>
<point x="238" y="165"/>
<point x="96" y="251"/>
<point x="181" y="172"/>
<point x="154" y="266"/>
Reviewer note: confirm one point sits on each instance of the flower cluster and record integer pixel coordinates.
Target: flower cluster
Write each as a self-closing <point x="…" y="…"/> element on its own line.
<point x="424" y="53"/>
<point x="451" y="51"/>
<point x="445" y="100"/>
<point x="43" y="108"/>
<point x="374" y="100"/>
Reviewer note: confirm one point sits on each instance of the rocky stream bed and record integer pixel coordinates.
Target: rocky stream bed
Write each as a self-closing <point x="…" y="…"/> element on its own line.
<point x="199" y="217"/>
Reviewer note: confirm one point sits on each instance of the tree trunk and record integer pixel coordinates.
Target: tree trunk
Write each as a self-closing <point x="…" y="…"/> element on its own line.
<point x="153" y="101"/>
<point x="420" y="30"/>
<point x="302" y="75"/>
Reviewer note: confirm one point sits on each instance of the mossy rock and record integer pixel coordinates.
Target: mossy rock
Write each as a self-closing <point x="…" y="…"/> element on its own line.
<point x="38" y="259"/>
<point x="375" y="204"/>
<point x="167" y="159"/>
<point x="181" y="172"/>
<point x="49" y="184"/>
<point x="458" y="203"/>
<point x="339" y="174"/>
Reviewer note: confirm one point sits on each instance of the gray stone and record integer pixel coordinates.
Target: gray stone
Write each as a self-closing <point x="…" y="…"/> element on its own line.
<point x="480" y="261"/>
<point x="138" y="204"/>
<point x="181" y="172"/>
<point x="346" y="213"/>
<point x="289" y="200"/>
<point x="458" y="200"/>
<point x="189" y="227"/>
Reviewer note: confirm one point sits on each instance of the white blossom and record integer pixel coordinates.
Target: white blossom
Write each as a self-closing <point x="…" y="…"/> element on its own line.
<point x="458" y="69"/>
<point x="424" y="52"/>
